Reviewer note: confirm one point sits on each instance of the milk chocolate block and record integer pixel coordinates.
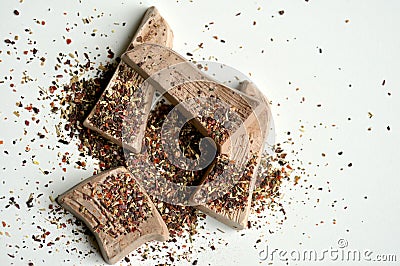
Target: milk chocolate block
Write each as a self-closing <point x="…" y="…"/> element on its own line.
<point x="233" y="207"/>
<point x="117" y="210"/>
<point x="124" y="90"/>
<point x="219" y="112"/>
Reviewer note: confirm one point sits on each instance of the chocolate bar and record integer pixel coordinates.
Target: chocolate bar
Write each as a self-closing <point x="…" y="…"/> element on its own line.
<point x="124" y="91"/>
<point x="232" y="206"/>
<point x="117" y="210"/>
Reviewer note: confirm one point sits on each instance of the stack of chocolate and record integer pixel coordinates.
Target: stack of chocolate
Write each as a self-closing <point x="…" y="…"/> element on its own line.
<point x="116" y="205"/>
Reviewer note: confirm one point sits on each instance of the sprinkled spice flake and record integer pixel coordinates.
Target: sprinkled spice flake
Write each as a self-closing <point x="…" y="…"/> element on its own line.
<point x="273" y="171"/>
<point x="123" y="203"/>
<point x="182" y="221"/>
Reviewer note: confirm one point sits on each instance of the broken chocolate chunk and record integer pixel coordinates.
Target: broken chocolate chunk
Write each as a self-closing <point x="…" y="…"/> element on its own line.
<point x="117" y="211"/>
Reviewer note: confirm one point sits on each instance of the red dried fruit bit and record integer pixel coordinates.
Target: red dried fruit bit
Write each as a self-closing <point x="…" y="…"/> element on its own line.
<point x="52" y="89"/>
<point x="68" y="41"/>
<point x="26" y="122"/>
<point x="16" y="12"/>
<point x="4" y="223"/>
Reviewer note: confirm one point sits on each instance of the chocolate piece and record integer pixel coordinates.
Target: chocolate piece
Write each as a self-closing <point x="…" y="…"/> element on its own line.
<point x="153" y="29"/>
<point x="124" y="91"/>
<point x="233" y="207"/>
<point x="117" y="210"/>
<point x="212" y="104"/>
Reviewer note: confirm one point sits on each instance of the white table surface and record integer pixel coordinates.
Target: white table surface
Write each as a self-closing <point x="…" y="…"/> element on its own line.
<point x="310" y="51"/>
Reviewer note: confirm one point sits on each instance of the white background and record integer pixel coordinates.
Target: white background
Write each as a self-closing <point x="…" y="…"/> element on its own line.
<point x="345" y="78"/>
